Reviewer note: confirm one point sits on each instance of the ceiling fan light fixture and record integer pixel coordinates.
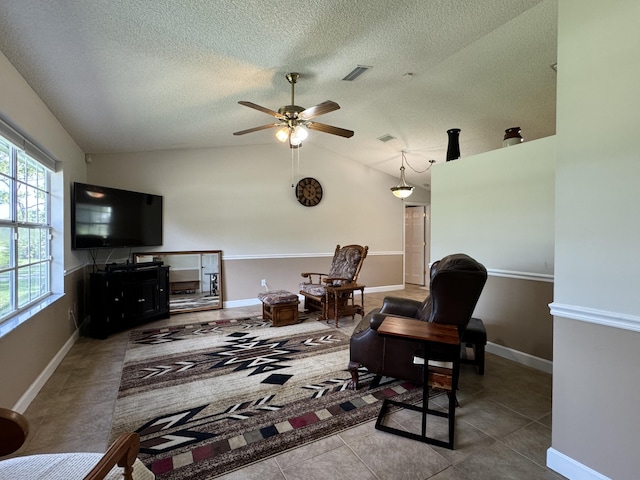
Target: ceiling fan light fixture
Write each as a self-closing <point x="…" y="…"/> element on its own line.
<point x="293" y="119"/>
<point x="282" y="134"/>
<point x="298" y="135"/>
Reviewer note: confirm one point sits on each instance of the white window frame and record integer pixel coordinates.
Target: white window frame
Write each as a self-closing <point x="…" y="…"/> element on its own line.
<point x="28" y="234"/>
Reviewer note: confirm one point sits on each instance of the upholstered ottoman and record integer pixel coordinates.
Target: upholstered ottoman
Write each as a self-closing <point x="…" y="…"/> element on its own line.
<point x="279" y="306"/>
<point x="475" y="336"/>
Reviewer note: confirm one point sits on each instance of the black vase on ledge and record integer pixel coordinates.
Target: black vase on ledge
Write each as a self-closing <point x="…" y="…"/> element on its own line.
<point x="453" y="149"/>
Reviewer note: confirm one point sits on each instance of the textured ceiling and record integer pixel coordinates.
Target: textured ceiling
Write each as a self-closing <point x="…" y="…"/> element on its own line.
<point x="144" y="75"/>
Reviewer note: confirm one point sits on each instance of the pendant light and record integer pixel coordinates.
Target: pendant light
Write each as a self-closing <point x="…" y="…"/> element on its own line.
<point x="403" y="190"/>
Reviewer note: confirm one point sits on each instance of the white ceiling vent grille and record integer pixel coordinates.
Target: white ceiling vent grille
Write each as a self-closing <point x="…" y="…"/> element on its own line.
<point x="356" y="72"/>
<point x="386" y="138"/>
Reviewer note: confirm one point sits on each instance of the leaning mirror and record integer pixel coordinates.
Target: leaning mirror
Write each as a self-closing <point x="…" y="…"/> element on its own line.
<point x="195" y="281"/>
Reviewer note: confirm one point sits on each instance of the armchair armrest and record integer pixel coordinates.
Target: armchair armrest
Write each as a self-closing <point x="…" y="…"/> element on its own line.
<point x="310" y="276"/>
<point x="122" y="452"/>
<point x="377" y="318"/>
<point x="333" y="279"/>
<point x="402" y="307"/>
<point x="14" y="429"/>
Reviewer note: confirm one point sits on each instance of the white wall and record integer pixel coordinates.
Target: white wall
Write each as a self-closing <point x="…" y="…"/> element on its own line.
<point x="498" y="207"/>
<point x="29" y="352"/>
<point x="239" y="200"/>
<point x="24" y="110"/>
<point x="596" y="388"/>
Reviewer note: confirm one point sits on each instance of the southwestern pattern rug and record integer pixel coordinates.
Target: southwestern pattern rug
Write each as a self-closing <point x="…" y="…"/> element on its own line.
<point x="212" y="397"/>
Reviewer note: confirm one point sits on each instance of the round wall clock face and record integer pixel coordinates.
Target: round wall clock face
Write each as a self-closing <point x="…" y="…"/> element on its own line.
<point x="309" y="192"/>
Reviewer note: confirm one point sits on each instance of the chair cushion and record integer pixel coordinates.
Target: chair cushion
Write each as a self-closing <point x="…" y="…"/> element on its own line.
<point x="274" y="297"/>
<point x="344" y="265"/>
<point x="63" y="466"/>
<point x="313" y="289"/>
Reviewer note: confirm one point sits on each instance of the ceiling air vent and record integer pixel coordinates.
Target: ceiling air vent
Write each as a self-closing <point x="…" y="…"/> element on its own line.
<point x="356" y="72"/>
<point x="386" y="138"/>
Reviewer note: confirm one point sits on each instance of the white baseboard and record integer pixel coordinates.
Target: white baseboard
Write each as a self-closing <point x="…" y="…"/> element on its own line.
<point x="571" y="469"/>
<point x="31" y="393"/>
<point x="520" y="357"/>
<point x="385" y="288"/>
<point x="247" y="302"/>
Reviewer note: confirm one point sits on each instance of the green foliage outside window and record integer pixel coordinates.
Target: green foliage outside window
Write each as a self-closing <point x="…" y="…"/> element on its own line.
<point x="24" y="230"/>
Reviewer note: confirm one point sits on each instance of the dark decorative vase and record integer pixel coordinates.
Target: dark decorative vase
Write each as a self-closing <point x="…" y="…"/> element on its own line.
<point x="453" y="149"/>
<point x="512" y="137"/>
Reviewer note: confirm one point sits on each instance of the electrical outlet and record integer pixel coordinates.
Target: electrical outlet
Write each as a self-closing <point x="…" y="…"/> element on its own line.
<point x="263" y="282"/>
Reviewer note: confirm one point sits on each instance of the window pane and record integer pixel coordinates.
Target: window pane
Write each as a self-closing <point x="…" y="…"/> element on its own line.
<point x="37" y="282"/>
<point x="32" y="172"/>
<point x="32" y="205"/>
<point x="23" y="246"/>
<point x="5" y="198"/>
<point x="38" y="245"/>
<point x="42" y="179"/>
<point x="21" y="170"/>
<point x="42" y="217"/>
<point x="5" y="158"/>
<point x="45" y="283"/>
<point x="21" y="203"/>
<point x="6" y="299"/>
<point x="24" y="205"/>
<point x="6" y="247"/>
<point x="23" y="286"/>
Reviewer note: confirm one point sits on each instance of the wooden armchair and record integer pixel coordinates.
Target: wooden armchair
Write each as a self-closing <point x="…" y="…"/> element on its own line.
<point x="332" y="293"/>
<point x="123" y="452"/>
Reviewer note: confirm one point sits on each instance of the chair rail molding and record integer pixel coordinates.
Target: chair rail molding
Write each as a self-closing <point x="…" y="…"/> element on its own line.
<point x="264" y="256"/>
<point x="538" y="277"/>
<point x="593" y="315"/>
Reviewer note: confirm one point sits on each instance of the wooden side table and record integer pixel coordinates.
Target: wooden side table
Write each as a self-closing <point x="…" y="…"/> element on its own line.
<point x="429" y="334"/>
<point x="340" y="302"/>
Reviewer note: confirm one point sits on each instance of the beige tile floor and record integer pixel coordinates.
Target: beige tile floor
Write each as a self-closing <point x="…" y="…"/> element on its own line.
<point x="503" y="424"/>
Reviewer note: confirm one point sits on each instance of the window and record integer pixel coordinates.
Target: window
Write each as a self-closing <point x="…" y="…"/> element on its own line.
<point x="25" y="230"/>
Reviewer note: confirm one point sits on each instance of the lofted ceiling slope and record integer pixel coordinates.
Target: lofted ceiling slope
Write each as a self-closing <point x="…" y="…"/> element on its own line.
<point x="142" y="75"/>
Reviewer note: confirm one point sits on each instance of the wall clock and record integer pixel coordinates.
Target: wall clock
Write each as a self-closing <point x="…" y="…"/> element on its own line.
<point x="309" y="192"/>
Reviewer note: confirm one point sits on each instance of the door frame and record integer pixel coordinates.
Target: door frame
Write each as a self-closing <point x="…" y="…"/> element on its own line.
<point x="427" y="239"/>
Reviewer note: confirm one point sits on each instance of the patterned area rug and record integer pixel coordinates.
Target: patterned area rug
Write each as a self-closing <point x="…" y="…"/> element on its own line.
<point x="213" y="397"/>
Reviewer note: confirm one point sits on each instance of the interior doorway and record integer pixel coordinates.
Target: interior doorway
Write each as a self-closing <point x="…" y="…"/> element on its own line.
<point x="416" y="243"/>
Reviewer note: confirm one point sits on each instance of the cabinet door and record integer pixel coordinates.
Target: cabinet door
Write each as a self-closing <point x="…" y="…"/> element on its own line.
<point x="163" y="290"/>
<point x="140" y="299"/>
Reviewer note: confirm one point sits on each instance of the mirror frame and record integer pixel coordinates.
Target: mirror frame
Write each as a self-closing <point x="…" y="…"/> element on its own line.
<point x="138" y="255"/>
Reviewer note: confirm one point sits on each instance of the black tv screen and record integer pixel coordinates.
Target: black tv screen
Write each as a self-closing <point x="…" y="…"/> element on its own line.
<point x="103" y="217"/>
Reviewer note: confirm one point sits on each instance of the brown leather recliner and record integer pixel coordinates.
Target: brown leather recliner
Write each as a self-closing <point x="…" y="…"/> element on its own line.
<point x="456" y="284"/>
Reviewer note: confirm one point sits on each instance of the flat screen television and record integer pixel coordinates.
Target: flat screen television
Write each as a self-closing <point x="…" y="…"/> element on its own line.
<point x="104" y="217"/>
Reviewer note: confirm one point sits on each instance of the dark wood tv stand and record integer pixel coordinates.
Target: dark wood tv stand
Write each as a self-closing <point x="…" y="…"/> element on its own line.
<point x="127" y="295"/>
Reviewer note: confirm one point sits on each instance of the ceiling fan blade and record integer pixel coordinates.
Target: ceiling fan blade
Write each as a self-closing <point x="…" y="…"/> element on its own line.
<point x="320" y="109"/>
<point x="256" y="129"/>
<point x="262" y="109"/>
<point x="321" y="127"/>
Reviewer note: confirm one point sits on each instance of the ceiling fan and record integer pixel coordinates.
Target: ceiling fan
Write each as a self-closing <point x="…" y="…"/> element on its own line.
<point x="295" y="120"/>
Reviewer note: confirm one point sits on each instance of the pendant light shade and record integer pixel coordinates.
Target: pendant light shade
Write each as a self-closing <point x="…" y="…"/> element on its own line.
<point x="298" y="135"/>
<point x="403" y="189"/>
<point x="283" y="134"/>
<point x="295" y="134"/>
